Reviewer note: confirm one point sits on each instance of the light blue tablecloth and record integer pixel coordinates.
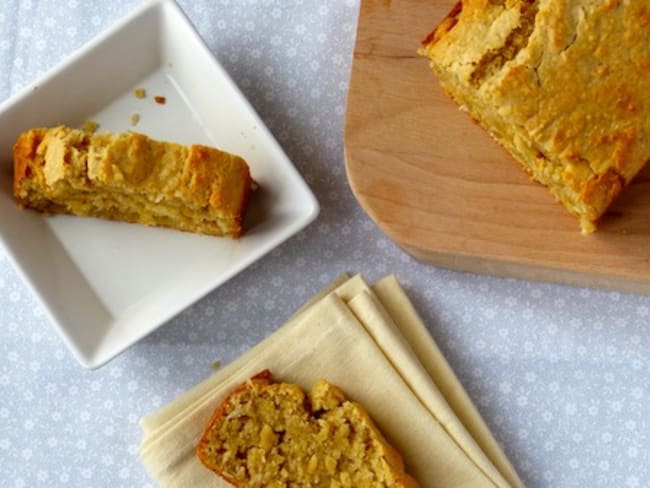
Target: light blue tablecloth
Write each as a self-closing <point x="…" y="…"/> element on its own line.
<point x="560" y="374"/>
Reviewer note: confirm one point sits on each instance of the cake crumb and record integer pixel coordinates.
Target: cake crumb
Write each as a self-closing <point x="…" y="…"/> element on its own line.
<point x="160" y="100"/>
<point x="140" y="93"/>
<point x="215" y="365"/>
<point x="90" y="126"/>
<point x="135" y="118"/>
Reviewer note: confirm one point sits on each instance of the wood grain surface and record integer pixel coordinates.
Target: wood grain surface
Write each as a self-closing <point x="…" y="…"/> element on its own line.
<point x="438" y="186"/>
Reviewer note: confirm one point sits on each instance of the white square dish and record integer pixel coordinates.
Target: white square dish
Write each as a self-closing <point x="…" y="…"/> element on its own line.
<point x="105" y="285"/>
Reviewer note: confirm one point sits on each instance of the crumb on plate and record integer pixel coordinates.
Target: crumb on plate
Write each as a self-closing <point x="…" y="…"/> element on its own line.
<point x="90" y="126"/>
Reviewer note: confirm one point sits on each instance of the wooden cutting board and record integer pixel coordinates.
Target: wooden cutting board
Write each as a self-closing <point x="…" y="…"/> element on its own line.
<point x="438" y="186"/>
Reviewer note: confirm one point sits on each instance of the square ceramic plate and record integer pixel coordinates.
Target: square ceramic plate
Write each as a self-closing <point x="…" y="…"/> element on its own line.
<point x="106" y="284"/>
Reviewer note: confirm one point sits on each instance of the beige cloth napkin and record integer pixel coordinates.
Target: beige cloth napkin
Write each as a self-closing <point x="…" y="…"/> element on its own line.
<point x="371" y="342"/>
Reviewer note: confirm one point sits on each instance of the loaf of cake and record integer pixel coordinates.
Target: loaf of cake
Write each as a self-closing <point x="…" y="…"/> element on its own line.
<point x="133" y="178"/>
<point x="270" y="434"/>
<point x="563" y="85"/>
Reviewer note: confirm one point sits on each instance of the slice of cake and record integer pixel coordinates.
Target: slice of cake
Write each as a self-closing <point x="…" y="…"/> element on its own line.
<point x="132" y="178"/>
<point x="268" y="434"/>
<point x="563" y="85"/>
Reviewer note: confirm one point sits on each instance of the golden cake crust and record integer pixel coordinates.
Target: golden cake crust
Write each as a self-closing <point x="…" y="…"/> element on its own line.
<point x="133" y="178"/>
<point x="272" y="435"/>
<point x="563" y="85"/>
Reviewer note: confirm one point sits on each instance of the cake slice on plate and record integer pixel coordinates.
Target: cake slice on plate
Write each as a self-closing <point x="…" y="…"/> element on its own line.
<point x="133" y="178"/>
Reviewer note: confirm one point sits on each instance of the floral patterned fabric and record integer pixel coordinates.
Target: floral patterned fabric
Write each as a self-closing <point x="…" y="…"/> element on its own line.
<point x="560" y="374"/>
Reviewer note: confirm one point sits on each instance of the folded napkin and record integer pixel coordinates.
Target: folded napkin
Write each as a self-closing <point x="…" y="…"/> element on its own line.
<point x="370" y="342"/>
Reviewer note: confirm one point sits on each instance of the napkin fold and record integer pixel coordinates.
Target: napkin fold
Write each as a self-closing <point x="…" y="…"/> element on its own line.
<point x="370" y="341"/>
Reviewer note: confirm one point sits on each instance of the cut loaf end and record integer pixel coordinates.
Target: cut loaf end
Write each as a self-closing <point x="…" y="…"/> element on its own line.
<point x="562" y="85"/>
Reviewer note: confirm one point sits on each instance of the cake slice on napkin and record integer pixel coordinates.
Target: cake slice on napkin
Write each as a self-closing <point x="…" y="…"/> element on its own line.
<point x="270" y="434"/>
<point x="347" y="336"/>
